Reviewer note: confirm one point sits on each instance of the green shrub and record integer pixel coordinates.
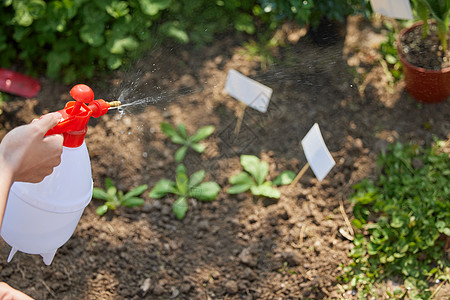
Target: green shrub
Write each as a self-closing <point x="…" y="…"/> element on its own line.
<point x="74" y="38"/>
<point x="402" y="220"/>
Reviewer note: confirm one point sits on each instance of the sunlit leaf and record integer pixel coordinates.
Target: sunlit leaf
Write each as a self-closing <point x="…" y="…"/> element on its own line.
<point x="196" y="178"/>
<point x="98" y="193"/>
<point x="284" y="178"/>
<point x="162" y="188"/>
<point x="180" y="153"/>
<point x="202" y="133"/>
<point x="136" y="191"/>
<point x="206" y="191"/>
<point x="101" y="210"/>
<point x="180" y="208"/>
<point x="132" y="202"/>
<point x="266" y="191"/>
<point x="152" y="7"/>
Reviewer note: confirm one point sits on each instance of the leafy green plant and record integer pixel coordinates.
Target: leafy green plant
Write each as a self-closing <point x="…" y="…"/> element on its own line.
<point x="253" y="178"/>
<point x="180" y="136"/>
<point x="437" y="10"/>
<point x="75" y="38"/>
<point x="185" y="187"/>
<point x="114" y="198"/>
<point x="402" y="221"/>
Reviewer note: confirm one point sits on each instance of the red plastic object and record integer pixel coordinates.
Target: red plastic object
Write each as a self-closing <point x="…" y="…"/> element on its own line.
<point x="18" y="84"/>
<point x="76" y="114"/>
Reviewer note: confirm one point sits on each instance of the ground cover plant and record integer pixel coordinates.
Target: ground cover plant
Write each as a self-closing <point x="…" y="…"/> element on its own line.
<point x="185" y="187"/>
<point x="179" y="136"/>
<point x="115" y="198"/>
<point x="403" y="222"/>
<point x="254" y="176"/>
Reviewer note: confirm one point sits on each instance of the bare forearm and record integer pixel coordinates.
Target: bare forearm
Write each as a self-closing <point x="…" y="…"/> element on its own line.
<point x="6" y="180"/>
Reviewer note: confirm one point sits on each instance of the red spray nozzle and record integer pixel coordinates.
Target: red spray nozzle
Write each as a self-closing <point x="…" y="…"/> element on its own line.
<point x="75" y="115"/>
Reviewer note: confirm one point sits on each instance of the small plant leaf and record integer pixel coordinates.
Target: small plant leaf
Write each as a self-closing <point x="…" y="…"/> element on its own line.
<point x="182" y="131"/>
<point x="202" y="133"/>
<point x="180" y="208"/>
<point x="239" y="188"/>
<point x="200" y="148"/>
<point x="162" y="188"/>
<point x="182" y="182"/>
<point x="180" y="169"/>
<point x="101" y="210"/>
<point x="206" y="191"/>
<point x="258" y="169"/>
<point x="266" y="191"/>
<point x="109" y="183"/>
<point x="132" y="202"/>
<point x="196" y="178"/>
<point x="284" y="178"/>
<point x="136" y="191"/>
<point x="168" y="129"/>
<point x="111" y="191"/>
<point x="98" y="193"/>
<point x="241" y="178"/>
<point x="180" y="153"/>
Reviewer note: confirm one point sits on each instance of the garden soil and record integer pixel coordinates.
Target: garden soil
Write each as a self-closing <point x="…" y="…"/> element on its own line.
<point x="239" y="246"/>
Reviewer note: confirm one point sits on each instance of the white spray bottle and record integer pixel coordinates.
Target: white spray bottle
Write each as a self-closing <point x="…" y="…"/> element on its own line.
<point x="40" y="217"/>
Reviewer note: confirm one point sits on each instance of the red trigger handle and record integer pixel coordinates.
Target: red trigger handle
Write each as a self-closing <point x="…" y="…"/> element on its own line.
<point x="75" y="115"/>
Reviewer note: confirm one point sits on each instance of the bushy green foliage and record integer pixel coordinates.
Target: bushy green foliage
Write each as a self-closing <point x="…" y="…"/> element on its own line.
<point x="75" y="37"/>
<point x="179" y="136"/>
<point x="402" y="220"/>
<point x="185" y="187"/>
<point x="72" y="39"/>
<point x="311" y="12"/>
<point x="114" y="198"/>
<point x="253" y="178"/>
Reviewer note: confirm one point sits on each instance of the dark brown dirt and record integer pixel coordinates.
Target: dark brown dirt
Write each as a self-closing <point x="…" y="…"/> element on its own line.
<point x="237" y="247"/>
<point x="427" y="52"/>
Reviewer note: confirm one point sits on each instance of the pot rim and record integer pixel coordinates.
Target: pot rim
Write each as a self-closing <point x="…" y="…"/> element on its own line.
<point x="403" y="59"/>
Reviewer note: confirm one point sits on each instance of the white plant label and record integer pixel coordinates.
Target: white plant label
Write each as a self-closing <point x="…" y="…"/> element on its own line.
<point x="397" y="9"/>
<point x="316" y="152"/>
<point x="248" y="91"/>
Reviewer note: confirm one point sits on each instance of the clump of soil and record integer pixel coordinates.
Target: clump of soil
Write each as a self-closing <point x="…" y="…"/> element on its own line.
<point x="425" y="52"/>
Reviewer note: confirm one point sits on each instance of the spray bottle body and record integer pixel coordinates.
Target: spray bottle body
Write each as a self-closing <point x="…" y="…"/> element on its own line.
<point x="41" y="217"/>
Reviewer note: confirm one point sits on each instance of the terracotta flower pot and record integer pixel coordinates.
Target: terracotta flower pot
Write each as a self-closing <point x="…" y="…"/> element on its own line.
<point x="424" y="85"/>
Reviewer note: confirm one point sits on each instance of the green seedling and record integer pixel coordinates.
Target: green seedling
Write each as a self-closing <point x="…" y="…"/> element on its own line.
<point x="185" y="187"/>
<point x="402" y="221"/>
<point x="253" y="178"/>
<point x="180" y="136"/>
<point x="114" y="198"/>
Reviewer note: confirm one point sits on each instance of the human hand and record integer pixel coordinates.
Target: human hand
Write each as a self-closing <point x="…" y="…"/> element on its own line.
<point x="8" y="293"/>
<point x="28" y="154"/>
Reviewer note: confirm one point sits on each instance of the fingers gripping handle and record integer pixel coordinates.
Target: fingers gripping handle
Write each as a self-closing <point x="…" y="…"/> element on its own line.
<point x="76" y="114"/>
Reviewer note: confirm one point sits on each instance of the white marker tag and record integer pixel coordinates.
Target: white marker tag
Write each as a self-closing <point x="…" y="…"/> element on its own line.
<point x="397" y="9"/>
<point x="317" y="153"/>
<point x="248" y="91"/>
